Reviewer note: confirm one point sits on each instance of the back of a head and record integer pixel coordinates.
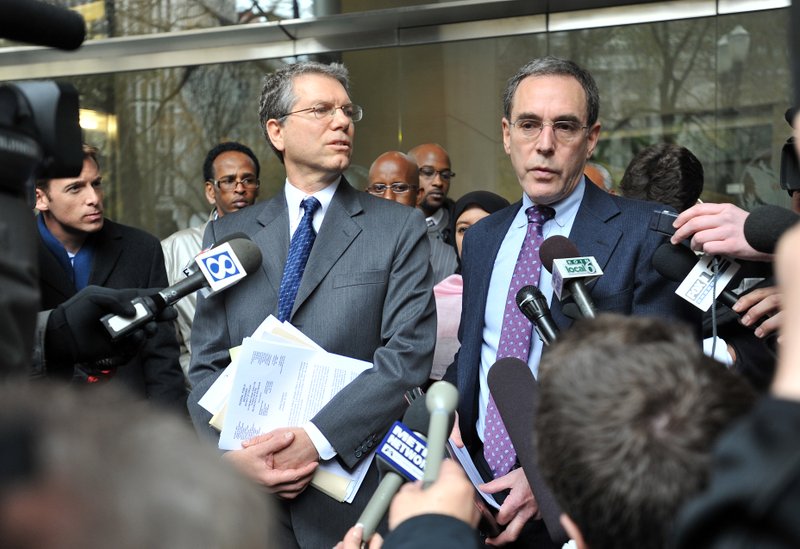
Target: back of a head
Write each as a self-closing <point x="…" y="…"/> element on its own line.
<point x="665" y="173"/>
<point x="628" y="413"/>
<point x="115" y="472"/>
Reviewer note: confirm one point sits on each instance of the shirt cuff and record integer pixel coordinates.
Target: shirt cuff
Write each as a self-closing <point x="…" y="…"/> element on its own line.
<point x="324" y="448"/>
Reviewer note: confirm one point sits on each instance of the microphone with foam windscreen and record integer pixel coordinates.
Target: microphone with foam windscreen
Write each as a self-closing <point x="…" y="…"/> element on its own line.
<point x="570" y="272"/>
<point x="516" y="394"/>
<point x="441" y="401"/>
<point x="675" y="262"/>
<point x="765" y="225"/>
<point x="42" y="24"/>
<point x="533" y="304"/>
<point x="400" y="457"/>
<point x="219" y="268"/>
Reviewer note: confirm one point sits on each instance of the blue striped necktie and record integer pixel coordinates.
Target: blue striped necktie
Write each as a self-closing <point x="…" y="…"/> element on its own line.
<point x="299" y="249"/>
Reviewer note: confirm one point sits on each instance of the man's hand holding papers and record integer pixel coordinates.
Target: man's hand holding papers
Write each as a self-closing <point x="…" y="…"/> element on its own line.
<point x="279" y="380"/>
<point x="257" y="461"/>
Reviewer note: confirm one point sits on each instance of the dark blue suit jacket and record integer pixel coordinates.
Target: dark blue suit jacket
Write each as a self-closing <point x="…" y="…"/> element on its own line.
<point x="612" y="229"/>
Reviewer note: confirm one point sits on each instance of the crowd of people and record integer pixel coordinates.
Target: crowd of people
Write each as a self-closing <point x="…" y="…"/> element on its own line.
<point x="641" y="437"/>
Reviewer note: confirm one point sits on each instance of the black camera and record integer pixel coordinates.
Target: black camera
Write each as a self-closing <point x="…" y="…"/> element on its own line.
<point x="790" y="169"/>
<point x="39" y="134"/>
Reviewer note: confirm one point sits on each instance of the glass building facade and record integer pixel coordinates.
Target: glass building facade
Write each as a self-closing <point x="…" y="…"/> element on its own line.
<point x="162" y="81"/>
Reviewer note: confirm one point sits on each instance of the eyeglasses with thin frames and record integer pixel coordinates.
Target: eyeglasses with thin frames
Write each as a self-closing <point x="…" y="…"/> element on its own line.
<point x="229" y="183"/>
<point x="379" y="189"/>
<point x="429" y="172"/>
<point x="321" y="110"/>
<point x="565" y="131"/>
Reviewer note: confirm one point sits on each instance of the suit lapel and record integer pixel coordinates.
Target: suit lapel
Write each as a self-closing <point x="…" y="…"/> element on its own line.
<point x="52" y="276"/>
<point x="590" y="231"/>
<point x="488" y="246"/>
<point x="338" y="230"/>
<point x="593" y="236"/>
<point x="107" y="249"/>
<point x="273" y="239"/>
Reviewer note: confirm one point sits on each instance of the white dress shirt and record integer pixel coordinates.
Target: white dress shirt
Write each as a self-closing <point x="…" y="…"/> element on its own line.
<point x="503" y="269"/>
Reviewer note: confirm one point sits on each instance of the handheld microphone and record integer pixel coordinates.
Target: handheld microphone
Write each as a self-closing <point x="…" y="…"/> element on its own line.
<point x="194" y="266"/>
<point x="765" y="225"/>
<point x="675" y="262"/>
<point x="570" y="272"/>
<point x="220" y="267"/>
<point x="35" y="22"/>
<point x="533" y="304"/>
<point x="441" y="401"/>
<point x="400" y="457"/>
<point x="516" y="394"/>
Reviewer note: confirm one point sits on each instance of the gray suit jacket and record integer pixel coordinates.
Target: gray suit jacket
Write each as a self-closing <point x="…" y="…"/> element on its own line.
<point x="366" y="293"/>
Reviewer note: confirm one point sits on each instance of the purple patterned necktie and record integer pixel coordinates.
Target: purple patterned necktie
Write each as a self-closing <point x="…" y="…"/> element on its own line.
<point x="515" y="337"/>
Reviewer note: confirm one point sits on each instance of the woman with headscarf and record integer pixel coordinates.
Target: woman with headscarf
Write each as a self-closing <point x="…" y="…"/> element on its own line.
<point x="469" y="209"/>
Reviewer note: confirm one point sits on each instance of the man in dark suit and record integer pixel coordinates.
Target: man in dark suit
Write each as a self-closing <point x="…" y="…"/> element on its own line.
<point x="434" y="184"/>
<point x="77" y="248"/>
<point x="364" y="290"/>
<point x="550" y="130"/>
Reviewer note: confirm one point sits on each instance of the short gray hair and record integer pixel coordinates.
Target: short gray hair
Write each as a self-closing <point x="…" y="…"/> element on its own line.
<point x="553" y="66"/>
<point x="277" y="94"/>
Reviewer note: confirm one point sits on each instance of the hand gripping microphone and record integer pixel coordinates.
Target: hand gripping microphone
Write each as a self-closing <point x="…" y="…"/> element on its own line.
<point x="220" y="267"/>
<point x="765" y="225"/>
<point x="533" y="305"/>
<point x="570" y="272"/>
<point x="441" y="401"/>
<point x="516" y="394"/>
<point x="400" y="457"/>
<point x="675" y="262"/>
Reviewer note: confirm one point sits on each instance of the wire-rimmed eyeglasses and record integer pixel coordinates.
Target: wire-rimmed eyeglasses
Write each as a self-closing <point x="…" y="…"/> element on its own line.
<point x="379" y="189"/>
<point x="565" y="131"/>
<point x="321" y="110"/>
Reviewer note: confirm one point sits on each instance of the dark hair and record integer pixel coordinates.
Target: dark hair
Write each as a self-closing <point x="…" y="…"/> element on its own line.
<point x="629" y="409"/>
<point x="277" y="94"/>
<point x="665" y="173"/>
<point x="89" y="151"/>
<point x="553" y="66"/>
<point x="208" y="163"/>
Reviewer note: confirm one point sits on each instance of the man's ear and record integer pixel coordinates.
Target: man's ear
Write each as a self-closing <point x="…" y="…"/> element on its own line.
<point x="42" y="204"/>
<point x="505" y="127"/>
<point x="572" y="531"/>
<point x="211" y="194"/>
<point x="275" y="134"/>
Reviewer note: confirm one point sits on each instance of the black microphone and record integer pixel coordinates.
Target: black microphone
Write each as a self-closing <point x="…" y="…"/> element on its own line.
<point x="35" y="22"/>
<point x="533" y="305"/>
<point x="220" y="267"/>
<point x="560" y="247"/>
<point x="416" y="419"/>
<point x="516" y="394"/>
<point x="765" y="225"/>
<point x="674" y="262"/>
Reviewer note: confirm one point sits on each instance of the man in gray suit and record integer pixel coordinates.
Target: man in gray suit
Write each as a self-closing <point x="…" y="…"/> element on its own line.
<point x="365" y="291"/>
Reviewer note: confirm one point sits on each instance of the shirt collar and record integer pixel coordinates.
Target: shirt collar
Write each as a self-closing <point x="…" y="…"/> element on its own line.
<point x="435" y="218"/>
<point x="294" y="196"/>
<point x="566" y="208"/>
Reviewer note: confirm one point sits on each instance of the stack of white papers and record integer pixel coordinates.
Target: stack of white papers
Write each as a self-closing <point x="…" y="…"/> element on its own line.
<point x="280" y="378"/>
